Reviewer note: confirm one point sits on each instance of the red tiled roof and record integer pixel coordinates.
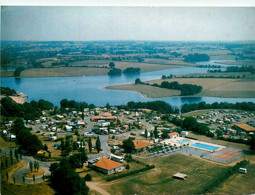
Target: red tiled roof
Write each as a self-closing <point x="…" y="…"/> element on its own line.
<point x="245" y="127"/>
<point x="97" y="117"/>
<point x="107" y="164"/>
<point x="173" y="133"/>
<point x="111" y="117"/>
<point x="141" y="144"/>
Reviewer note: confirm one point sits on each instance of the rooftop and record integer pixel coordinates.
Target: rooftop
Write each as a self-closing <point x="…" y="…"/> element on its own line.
<point x="245" y="127"/>
<point x="180" y="175"/>
<point x="141" y="144"/>
<point x="173" y="133"/>
<point x="107" y="164"/>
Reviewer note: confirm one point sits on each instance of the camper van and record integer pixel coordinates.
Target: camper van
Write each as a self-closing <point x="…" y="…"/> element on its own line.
<point x="242" y="170"/>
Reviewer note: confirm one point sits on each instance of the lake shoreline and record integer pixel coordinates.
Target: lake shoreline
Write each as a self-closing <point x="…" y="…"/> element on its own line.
<point x="78" y="71"/>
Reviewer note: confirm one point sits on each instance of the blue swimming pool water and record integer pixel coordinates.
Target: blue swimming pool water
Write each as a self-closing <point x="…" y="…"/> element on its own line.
<point x="183" y="141"/>
<point x="205" y="146"/>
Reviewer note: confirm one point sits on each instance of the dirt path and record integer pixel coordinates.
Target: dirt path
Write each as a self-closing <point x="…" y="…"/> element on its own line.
<point x="94" y="186"/>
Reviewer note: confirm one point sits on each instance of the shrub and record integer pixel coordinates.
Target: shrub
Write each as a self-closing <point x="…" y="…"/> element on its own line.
<point x="88" y="177"/>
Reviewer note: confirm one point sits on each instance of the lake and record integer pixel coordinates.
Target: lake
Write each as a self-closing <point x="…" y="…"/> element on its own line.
<point x="90" y="88"/>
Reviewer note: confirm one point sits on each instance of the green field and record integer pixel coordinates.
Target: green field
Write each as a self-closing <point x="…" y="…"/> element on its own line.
<point x="160" y="181"/>
<point x="239" y="183"/>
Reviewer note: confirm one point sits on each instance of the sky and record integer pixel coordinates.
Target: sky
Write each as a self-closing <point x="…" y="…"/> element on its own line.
<point x="87" y="23"/>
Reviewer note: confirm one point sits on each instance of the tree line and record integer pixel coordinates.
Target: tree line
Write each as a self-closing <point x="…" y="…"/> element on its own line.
<point x="64" y="103"/>
<point x="186" y="89"/>
<point x="196" y="57"/>
<point x="7" y="91"/>
<point x="159" y="106"/>
<point x="28" y="110"/>
<point x="130" y="70"/>
<point x="25" y="138"/>
<point x="248" y="106"/>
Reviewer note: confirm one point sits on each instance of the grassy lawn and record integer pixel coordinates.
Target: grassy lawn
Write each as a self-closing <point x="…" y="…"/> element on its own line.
<point x="160" y="181"/>
<point x="147" y="91"/>
<point x="239" y="183"/>
<point x="5" y="144"/>
<point x="210" y="85"/>
<point x="38" y="173"/>
<point x="28" y="189"/>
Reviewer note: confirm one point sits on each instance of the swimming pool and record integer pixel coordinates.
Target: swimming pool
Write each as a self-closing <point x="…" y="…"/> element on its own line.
<point x="205" y="146"/>
<point x="183" y="141"/>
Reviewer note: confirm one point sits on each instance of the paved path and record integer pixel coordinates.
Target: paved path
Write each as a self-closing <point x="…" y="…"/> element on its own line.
<point x="104" y="146"/>
<point x="94" y="186"/>
<point x="19" y="174"/>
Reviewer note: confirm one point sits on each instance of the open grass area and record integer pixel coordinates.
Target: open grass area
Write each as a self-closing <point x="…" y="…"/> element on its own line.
<point x="28" y="189"/>
<point x="38" y="173"/>
<point x="91" y="70"/>
<point x="239" y="183"/>
<point x="63" y="72"/>
<point x="160" y="181"/>
<point x="7" y="73"/>
<point x="207" y="84"/>
<point x="147" y="91"/>
<point x="4" y="144"/>
<point x="244" y="89"/>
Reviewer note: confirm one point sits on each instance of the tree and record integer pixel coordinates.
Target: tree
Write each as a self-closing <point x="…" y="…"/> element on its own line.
<point x="7" y="176"/>
<point x="156" y="132"/>
<point x="34" y="179"/>
<point x="35" y="165"/>
<point x="128" y="145"/>
<point x="151" y="134"/>
<point x="14" y="179"/>
<point x="98" y="145"/>
<point x="18" y="71"/>
<point x="88" y="177"/>
<point x="11" y="156"/>
<point x="138" y="81"/>
<point x="112" y="64"/>
<point x="64" y="175"/>
<point x="252" y="143"/>
<point x="23" y="178"/>
<point x="146" y="133"/>
<point x="31" y="166"/>
<point x="90" y="145"/>
<point x="82" y="115"/>
<point x="16" y="154"/>
<point x="45" y="147"/>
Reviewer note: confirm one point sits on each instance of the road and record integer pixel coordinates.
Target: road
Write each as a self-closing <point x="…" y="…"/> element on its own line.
<point x="21" y="172"/>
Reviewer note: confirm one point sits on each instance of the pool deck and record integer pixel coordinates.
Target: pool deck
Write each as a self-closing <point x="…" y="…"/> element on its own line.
<point x="174" y="142"/>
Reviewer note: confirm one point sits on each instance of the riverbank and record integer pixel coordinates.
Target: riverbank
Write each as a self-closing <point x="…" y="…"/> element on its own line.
<point x="20" y="98"/>
<point x="212" y="87"/>
<point x="91" y="71"/>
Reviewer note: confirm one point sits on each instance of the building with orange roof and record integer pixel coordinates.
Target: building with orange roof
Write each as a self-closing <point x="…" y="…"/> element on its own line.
<point x="173" y="135"/>
<point x="108" y="166"/>
<point x="97" y="117"/>
<point x="140" y="145"/>
<point x="244" y="128"/>
<point x="105" y="114"/>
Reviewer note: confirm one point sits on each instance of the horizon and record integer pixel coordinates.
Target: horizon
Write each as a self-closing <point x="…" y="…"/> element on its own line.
<point x="187" y="24"/>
